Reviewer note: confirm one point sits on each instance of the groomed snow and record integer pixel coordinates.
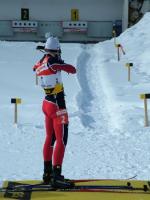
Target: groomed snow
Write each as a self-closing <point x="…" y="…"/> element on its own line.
<point x="107" y="137"/>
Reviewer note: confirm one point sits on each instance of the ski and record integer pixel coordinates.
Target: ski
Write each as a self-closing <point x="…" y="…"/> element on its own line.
<point x="98" y="188"/>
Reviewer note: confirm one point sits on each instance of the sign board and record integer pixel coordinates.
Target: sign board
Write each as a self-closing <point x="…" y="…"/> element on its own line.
<point x="24" y="14"/>
<point x="74" y="14"/>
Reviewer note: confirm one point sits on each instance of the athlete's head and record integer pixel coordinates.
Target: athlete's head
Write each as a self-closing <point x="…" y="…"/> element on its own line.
<point x="52" y="45"/>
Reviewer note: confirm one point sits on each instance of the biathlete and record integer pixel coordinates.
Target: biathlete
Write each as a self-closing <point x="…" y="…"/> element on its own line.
<point x="56" y="117"/>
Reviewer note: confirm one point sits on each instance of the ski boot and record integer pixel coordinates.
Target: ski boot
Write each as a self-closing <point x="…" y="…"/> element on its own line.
<point x="47" y="176"/>
<point x="58" y="181"/>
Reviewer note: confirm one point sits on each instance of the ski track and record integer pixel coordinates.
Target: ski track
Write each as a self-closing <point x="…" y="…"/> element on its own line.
<point x="122" y="137"/>
<point x="103" y="133"/>
<point x="96" y="131"/>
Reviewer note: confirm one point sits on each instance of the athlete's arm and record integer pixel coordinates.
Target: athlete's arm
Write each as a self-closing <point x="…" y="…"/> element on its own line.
<point x="64" y="67"/>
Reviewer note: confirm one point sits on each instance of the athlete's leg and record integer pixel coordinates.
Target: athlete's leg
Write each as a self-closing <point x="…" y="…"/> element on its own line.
<point x="48" y="109"/>
<point x="48" y="148"/>
<point x="60" y="124"/>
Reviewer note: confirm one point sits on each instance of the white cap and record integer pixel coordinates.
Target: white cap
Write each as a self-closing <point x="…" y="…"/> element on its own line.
<point x="52" y="43"/>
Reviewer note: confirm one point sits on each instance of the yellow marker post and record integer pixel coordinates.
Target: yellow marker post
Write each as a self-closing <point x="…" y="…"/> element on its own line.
<point x="114" y="36"/>
<point x="145" y="97"/>
<point x="129" y="65"/>
<point x="16" y="101"/>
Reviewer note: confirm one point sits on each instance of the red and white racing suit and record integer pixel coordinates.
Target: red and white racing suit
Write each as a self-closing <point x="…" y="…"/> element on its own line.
<point x="56" y="117"/>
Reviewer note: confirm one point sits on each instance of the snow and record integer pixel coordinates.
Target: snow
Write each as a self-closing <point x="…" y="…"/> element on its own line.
<point x="107" y="136"/>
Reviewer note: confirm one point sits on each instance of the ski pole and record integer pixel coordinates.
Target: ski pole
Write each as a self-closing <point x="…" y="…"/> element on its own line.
<point x="119" y="46"/>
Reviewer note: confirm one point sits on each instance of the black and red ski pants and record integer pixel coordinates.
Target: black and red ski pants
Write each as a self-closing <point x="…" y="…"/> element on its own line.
<point x="56" y="125"/>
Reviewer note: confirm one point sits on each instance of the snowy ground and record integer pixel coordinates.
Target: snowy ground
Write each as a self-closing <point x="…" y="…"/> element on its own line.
<point x="107" y="137"/>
